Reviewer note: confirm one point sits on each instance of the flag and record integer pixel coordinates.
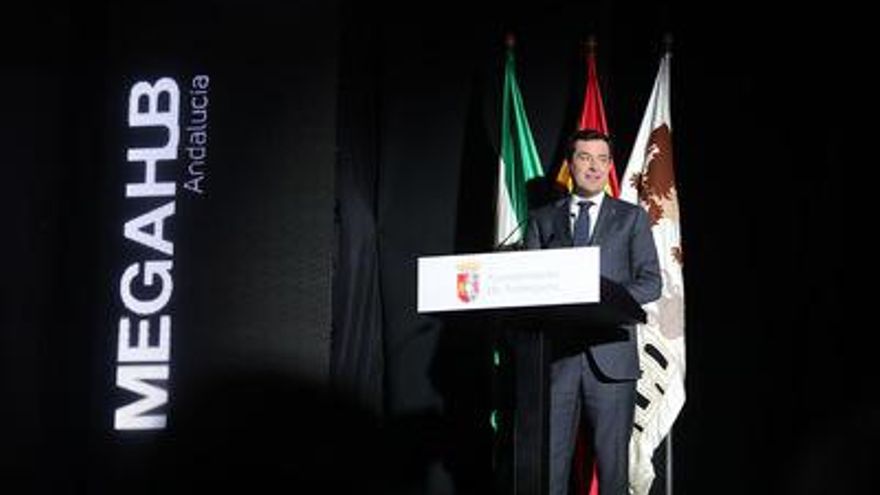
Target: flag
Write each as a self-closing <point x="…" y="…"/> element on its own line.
<point x="518" y="163"/>
<point x="592" y="117"/>
<point x="649" y="180"/>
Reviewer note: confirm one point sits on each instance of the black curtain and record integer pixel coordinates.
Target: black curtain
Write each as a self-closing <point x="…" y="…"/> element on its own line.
<point x="357" y="355"/>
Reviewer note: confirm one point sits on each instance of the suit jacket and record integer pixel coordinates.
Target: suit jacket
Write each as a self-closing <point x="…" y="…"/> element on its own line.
<point x="628" y="256"/>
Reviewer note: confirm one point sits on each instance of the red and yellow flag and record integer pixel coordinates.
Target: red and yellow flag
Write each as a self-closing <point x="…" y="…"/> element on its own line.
<point x="592" y="117"/>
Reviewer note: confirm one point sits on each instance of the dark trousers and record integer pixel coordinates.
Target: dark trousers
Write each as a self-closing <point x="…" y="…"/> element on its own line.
<point x="577" y="387"/>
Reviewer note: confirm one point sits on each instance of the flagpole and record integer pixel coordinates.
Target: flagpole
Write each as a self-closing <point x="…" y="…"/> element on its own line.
<point x="591" y="44"/>
<point x="667" y="51"/>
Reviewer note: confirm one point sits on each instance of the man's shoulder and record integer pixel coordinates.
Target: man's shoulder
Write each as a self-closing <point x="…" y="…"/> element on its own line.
<point x="550" y="209"/>
<point x="622" y="206"/>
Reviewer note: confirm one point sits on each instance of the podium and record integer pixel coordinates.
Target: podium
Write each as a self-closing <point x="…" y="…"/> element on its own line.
<point x="533" y="294"/>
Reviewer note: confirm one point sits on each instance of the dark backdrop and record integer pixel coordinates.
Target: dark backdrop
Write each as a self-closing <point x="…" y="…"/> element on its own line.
<point x="251" y="304"/>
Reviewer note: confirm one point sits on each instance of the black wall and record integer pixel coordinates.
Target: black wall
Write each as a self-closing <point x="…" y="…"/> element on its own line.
<point x="252" y="260"/>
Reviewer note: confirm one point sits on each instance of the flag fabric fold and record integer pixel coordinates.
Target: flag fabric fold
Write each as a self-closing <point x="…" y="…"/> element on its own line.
<point x="519" y="161"/>
<point x="649" y="180"/>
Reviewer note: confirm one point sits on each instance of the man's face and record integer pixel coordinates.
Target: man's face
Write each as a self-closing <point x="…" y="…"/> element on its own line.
<point x="589" y="166"/>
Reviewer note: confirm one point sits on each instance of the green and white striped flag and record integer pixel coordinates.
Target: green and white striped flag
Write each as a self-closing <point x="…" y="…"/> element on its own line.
<point x="518" y="164"/>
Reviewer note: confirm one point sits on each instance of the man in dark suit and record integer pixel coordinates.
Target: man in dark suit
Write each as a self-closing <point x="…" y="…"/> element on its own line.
<point x="595" y="374"/>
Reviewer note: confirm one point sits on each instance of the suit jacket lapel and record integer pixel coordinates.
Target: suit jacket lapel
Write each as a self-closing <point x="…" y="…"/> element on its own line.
<point x="562" y="225"/>
<point x="606" y="218"/>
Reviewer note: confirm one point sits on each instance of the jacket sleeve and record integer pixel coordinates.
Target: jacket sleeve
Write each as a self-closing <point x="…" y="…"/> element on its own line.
<point x="645" y="284"/>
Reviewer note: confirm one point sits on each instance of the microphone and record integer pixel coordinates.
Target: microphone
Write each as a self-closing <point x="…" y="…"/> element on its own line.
<point x="501" y="245"/>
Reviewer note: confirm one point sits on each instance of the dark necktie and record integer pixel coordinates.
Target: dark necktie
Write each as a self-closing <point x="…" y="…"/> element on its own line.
<point x="582" y="224"/>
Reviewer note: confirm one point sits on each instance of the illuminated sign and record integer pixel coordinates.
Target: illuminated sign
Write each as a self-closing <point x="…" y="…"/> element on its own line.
<point x="146" y="285"/>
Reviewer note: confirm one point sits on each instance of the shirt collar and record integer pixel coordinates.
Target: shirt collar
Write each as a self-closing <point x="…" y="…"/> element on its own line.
<point x="596" y="199"/>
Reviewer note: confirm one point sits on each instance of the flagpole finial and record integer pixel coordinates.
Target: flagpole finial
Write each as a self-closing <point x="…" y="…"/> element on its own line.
<point x="667" y="43"/>
<point x="591" y="44"/>
<point x="509" y="40"/>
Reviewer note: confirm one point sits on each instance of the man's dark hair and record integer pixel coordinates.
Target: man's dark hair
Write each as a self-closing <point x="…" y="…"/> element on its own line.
<point x="585" y="135"/>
